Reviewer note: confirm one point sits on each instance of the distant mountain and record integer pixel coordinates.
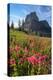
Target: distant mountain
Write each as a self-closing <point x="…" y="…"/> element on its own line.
<point x="32" y="24"/>
<point x="31" y="17"/>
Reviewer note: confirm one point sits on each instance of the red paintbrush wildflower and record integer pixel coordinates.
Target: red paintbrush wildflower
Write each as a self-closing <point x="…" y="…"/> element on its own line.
<point x="42" y="58"/>
<point x="21" y="61"/>
<point x="17" y="48"/>
<point x="32" y="60"/>
<point x="12" y="61"/>
<point x="38" y="54"/>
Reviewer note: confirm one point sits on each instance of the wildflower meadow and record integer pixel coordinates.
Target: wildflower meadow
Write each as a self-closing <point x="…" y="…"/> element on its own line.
<point x="28" y="55"/>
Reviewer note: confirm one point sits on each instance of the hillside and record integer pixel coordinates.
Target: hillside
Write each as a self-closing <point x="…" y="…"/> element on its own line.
<point x="40" y="43"/>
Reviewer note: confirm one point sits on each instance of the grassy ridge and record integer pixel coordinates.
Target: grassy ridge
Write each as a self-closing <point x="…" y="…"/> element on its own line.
<point x="42" y="44"/>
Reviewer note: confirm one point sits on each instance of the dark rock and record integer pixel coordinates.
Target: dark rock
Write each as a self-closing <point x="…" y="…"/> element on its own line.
<point x="32" y="24"/>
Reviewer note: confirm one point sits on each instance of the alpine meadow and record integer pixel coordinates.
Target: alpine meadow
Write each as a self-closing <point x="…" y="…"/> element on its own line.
<point x="29" y="40"/>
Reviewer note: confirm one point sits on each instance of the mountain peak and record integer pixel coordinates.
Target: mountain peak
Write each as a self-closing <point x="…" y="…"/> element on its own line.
<point x="32" y="16"/>
<point x="32" y="23"/>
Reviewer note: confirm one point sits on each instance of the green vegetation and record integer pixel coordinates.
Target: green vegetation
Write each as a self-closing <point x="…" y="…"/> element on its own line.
<point x="29" y="54"/>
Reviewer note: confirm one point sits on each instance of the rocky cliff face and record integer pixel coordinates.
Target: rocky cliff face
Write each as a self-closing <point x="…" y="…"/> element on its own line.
<point x="32" y="23"/>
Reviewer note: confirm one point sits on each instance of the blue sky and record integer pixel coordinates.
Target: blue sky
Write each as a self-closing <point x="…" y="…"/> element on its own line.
<point x="19" y="11"/>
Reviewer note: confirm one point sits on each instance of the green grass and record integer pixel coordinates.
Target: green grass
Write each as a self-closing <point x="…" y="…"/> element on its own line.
<point x="42" y="44"/>
<point x="32" y="42"/>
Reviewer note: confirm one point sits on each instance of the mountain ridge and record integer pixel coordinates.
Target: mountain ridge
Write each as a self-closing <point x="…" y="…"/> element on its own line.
<point x="32" y="23"/>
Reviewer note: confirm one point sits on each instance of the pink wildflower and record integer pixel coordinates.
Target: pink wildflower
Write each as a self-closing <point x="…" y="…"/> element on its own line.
<point x="42" y="58"/>
<point x="38" y="54"/>
<point x="32" y="60"/>
<point x="12" y="61"/>
<point x="17" y="48"/>
<point x="21" y="61"/>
